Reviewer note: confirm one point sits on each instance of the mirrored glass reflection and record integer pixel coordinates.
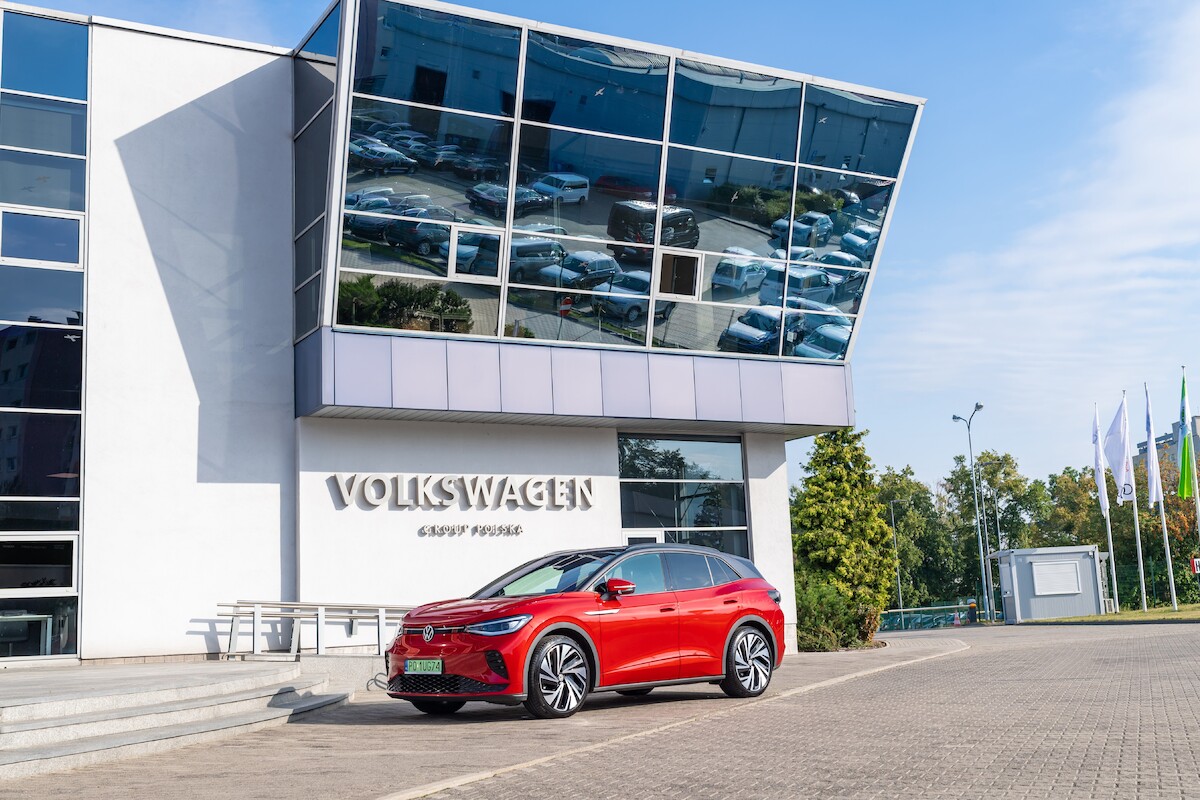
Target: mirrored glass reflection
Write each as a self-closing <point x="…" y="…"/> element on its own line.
<point x="582" y="178"/>
<point x="44" y="56"/>
<point x="594" y="86"/>
<point x="819" y="336"/>
<point x="853" y="131"/>
<point x="307" y="308"/>
<point x="572" y="263"/>
<point x="725" y="108"/>
<point x="39" y="515"/>
<point x="734" y="542"/>
<point x="733" y="200"/>
<point x="682" y="505"/>
<point x="39" y="124"/>
<point x="39" y="455"/>
<point x="38" y="238"/>
<point x="435" y="58"/>
<point x="32" y="179"/>
<point x="700" y="326"/>
<point x="39" y="626"/>
<point x="735" y="276"/>
<point x="40" y="367"/>
<point x="324" y="40"/>
<point x="41" y="295"/>
<point x="570" y="316"/>
<point x="834" y="212"/>
<point x="679" y="459"/>
<point x="416" y="304"/>
<point x="410" y="245"/>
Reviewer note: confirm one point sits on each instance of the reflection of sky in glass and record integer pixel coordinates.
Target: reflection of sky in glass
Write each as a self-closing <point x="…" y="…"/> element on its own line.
<point x="45" y="56"/>
<point x="49" y="295"/>
<point x="324" y="41"/>
<point x="703" y="459"/>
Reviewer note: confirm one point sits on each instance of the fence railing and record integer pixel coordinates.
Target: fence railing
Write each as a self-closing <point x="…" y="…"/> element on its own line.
<point x="924" y="617"/>
<point x="321" y="614"/>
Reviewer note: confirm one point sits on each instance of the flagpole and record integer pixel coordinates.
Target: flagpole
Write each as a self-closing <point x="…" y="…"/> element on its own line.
<point x="1112" y="563"/>
<point x="1137" y="528"/>
<point x="1102" y="494"/>
<point x="1162" y="514"/>
<point x="1153" y="483"/>
<point x="1185" y="434"/>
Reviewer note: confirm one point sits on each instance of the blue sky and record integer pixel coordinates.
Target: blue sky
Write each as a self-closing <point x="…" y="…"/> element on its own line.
<point x="1045" y="247"/>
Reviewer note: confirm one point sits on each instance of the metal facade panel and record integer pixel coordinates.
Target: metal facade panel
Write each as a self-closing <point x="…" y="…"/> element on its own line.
<point x="575" y="375"/>
<point x="625" y="384"/>
<point x="473" y="375"/>
<point x="718" y="389"/>
<point x="672" y="387"/>
<point x="815" y="394"/>
<point x="306" y="359"/>
<point x="362" y="368"/>
<point x="762" y="391"/>
<point x="419" y="373"/>
<point x="526" y="383"/>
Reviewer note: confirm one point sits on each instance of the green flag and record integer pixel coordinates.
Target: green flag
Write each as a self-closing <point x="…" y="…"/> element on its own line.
<point x="1187" y="457"/>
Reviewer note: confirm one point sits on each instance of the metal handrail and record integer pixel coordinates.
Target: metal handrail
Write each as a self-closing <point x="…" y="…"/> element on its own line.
<point x="321" y="613"/>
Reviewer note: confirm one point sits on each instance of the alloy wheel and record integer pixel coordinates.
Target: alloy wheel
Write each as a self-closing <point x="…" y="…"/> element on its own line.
<point x="752" y="661"/>
<point x="562" y="677"/>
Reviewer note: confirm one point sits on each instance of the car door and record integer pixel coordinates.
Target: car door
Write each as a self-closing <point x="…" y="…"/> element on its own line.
<point x="706" y="612"/>
<point x="639" y="632"/>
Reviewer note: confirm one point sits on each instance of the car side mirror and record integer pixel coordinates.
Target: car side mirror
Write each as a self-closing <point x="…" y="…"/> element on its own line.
<point x="618" y="586"/>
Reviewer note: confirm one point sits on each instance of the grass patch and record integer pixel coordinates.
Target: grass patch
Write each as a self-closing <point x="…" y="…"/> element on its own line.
<point x="1186" y="613"/>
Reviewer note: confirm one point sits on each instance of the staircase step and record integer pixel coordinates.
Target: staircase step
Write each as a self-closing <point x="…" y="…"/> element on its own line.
<point x="38" y="760"/>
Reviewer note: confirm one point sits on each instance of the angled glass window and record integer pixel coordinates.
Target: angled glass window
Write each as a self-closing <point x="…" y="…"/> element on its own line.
<point x="711" y="328"/>
<point x="44" y="56"/>
<point x="39" y="124"/>
<point x="31" y="179"/>
<point x="598" y="87"/>
<point x="437" y="59"/>
<point x="417" y="304"/>
<point x="853" y="131"/>
<point x="39" y="238"/>
<point x="682" y="505"/>
<point x="40" y="367"/>
<point x="659" y="458"/>
<point x="324" y="41"/>
<point x="314" y="87"/>
<point x="39" y="455"/>
<point x="41" y="295"/>
<point x="308" y="307"/>
<point x="309" y="253"/>
<point x="38" y="515"/>
<point x="724" y="108"/>
<point x="575" y="317"/>
<point x="312" y="150"/>
<point x="818" y="336"/>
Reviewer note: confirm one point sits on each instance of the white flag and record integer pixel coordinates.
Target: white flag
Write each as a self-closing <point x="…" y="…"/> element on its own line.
<point x="1153" y="477"/>
<point x="1101" y="465"/>
<point x="1116" y="450"/>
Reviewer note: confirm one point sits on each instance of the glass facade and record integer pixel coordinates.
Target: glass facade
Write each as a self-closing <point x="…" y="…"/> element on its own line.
<point x="43" y="161"/>
<point x="587" y="192"/>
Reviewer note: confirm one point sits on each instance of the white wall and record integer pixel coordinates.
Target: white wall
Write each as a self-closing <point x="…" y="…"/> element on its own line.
<point x="770" y="521"/>
<point x="188" y="472"/>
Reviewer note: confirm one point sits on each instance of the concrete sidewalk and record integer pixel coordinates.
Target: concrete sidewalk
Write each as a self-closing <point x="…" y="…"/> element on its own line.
<point x="378" y="747"/>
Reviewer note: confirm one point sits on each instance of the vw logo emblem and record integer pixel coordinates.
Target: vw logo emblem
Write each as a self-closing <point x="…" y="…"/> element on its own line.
<point x="427" y="633"/>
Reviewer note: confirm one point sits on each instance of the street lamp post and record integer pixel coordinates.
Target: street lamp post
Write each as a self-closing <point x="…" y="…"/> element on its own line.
<point x="983" y="487"/>
<point x="987" y="600"/>
<point x="896" y="544"/>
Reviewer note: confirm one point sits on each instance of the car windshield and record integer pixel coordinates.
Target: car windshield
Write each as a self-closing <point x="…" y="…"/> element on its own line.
<point x="567" y="572"/>
<point x="825" y="342"/>
<point x="809" y="218"/>
<point x="633" y="283"/>
<point x="760" y="321"/>
<point x="863" y="233"/>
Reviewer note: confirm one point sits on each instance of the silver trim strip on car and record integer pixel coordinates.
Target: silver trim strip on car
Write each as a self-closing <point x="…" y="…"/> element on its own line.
<point x="602" y="613"/>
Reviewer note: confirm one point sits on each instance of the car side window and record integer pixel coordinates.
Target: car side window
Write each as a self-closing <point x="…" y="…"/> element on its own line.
<point x="722" y="573"/>
<point x="644" y="571"/>
<point x="688" y="571"/>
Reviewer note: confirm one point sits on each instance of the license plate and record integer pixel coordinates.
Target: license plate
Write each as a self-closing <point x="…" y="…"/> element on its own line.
<point x="423" y="666"/>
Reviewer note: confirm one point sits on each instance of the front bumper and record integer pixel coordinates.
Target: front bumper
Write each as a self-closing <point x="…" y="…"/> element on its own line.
<point x="473" y="667"/>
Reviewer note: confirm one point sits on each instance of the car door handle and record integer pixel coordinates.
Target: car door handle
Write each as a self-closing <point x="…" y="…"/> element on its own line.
<point x="730" y="601"/>
<point x="665" y="609"/>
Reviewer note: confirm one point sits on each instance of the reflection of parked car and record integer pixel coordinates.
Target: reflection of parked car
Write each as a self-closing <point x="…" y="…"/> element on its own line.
<point x="847" y="197"/>
<point x="628" y="297"/>
<point x="793" y="253"/>
<point x="758" y="331"/>
<point x="562" y="187"/>
<point x="843" y="270"/>
<point x="580" y="270"/>
<point x="442" y="157"/>
<point x="476" y="168"/>
<point x="541" y="227"/>
<point x="807" y="282"/>
<point x="826" y="314"/>
<point x="739" y="274"/>
<point x="492" y="199"/>
<point x="525" y="257"/>
<point x="414" y="229"/>
<point x="827" y="341"/>
<point x="861" y="241"/>
<point x="812" y="228"/>
<point x="631" y="189"/>
<point x="466" y="250"/>
<point x="357" y="195"/>
<point x="380" y="159"/>
<point x="365" y="225"/>
<point x="633" y="221"/>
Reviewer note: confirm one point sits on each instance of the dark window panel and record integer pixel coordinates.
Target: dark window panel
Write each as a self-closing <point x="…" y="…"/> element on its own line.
<point x="40" y="367"/>
<point x="735" y="543"/>
<point x="722" y="573"/>
<point x="39" y="124"/>
<point x="415" y="304"/>
<point x="852" y="131"/>
<point x="30" y="179"/>
<point x="682" y="505"/>
<point x="310" y="253"/>
<point x="39" y="238"/>
<point x="679" y="458"/>
<point x="724" y="108"/>
<point x="39" y="455"/>
<point x="44" y="56"/>
<point x="41" y="295"/>
<point x="324" y="41"/>
<point x="435" y="58"/>
<point x="314" y="86"/>
<point x="39" y="515"/>
<point x="22" y="631"/>
<point x="688" y="571"/>
<point x="32" y="564"/>
<point x="599" y="87"/>
<point x="308" y="307"/>
<point x="312" y="151"/>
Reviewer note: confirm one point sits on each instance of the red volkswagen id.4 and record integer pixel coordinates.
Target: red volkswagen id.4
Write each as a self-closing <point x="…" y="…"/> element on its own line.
<point x="620" y="620"/>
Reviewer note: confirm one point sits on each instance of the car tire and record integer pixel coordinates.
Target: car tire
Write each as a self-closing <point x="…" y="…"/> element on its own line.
<point x="438" y="708"/>
<point x="749" y="663"/>
<point x="424" y="248"/>
<point x="633" y="314"/>
<point x="635" y="692"/>
<point x="559" y="678"/>
<point x="582" y="200"/>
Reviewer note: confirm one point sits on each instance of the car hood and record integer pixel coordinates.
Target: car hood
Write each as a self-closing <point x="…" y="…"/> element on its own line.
<point x="747" y="333"/>
<point x="449" y="613"/>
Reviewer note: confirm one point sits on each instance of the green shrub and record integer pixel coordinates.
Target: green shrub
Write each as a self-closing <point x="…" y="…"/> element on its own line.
<point x="825" y="619"/>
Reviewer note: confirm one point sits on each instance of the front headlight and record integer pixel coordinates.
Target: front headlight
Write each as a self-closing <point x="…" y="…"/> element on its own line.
<point x="499" y="627"/>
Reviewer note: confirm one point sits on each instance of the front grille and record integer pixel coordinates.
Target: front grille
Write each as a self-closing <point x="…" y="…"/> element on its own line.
<point x="441" y="684"/>
<point x="496" y="662"/>
<point x="420" y="630"/>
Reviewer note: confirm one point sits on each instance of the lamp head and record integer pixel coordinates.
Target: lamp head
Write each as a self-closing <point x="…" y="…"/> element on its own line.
<point x="978" y="406"/>
<point x="957" y="418"/>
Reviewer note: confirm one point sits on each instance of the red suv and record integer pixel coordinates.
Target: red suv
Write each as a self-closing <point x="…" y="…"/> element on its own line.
<point x="622" y="620"/>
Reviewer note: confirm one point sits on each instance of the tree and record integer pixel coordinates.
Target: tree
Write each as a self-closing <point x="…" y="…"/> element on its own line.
<point x="930" y="565"/>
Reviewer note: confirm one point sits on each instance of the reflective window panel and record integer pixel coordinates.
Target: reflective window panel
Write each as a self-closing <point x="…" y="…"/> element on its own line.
<point x="415" y="304"/>
<point x="711" y="328"/>
<point x="307" y="307"/>
<point x="44" y="56"/>
<point x="598" y="87"/>
<point x="39" y="455"/>
<point x="39" y="238"/>
<point x="435" y="58"/>
<point x="409" y="245"/>
<point x="657" y="458"/>
<point x="39" y="124"/>
<point x="580" y="178"/>
<point x="29" y="564"/>
<point x="468" y="244"/>
<point x="40" y="367"/>
<point x="565" y="316"/>
<point x="725" y="108"/>
<point x="857" y="132"/>
<point x="32" y="626"/>
<point x="799" y="282"/>
<point x="314" y="86"/>
<point x="403" y="158"/>
<point x="682" y="505"/>
<point x="735" y="277"/>
<point x="324" y="41"/>
<point x="817" y="336"/>
<point x="31" y="179"/>
<point x="577" y="264"/>
<point x="309" y="253"/>
<point x="312" y="151"/>
<point x="732" y="200"/>
<point x="833" y="211"/>
<point x="39" y="515"/>
<point x="733" y="542"/>
<point x="41" y="295"/>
